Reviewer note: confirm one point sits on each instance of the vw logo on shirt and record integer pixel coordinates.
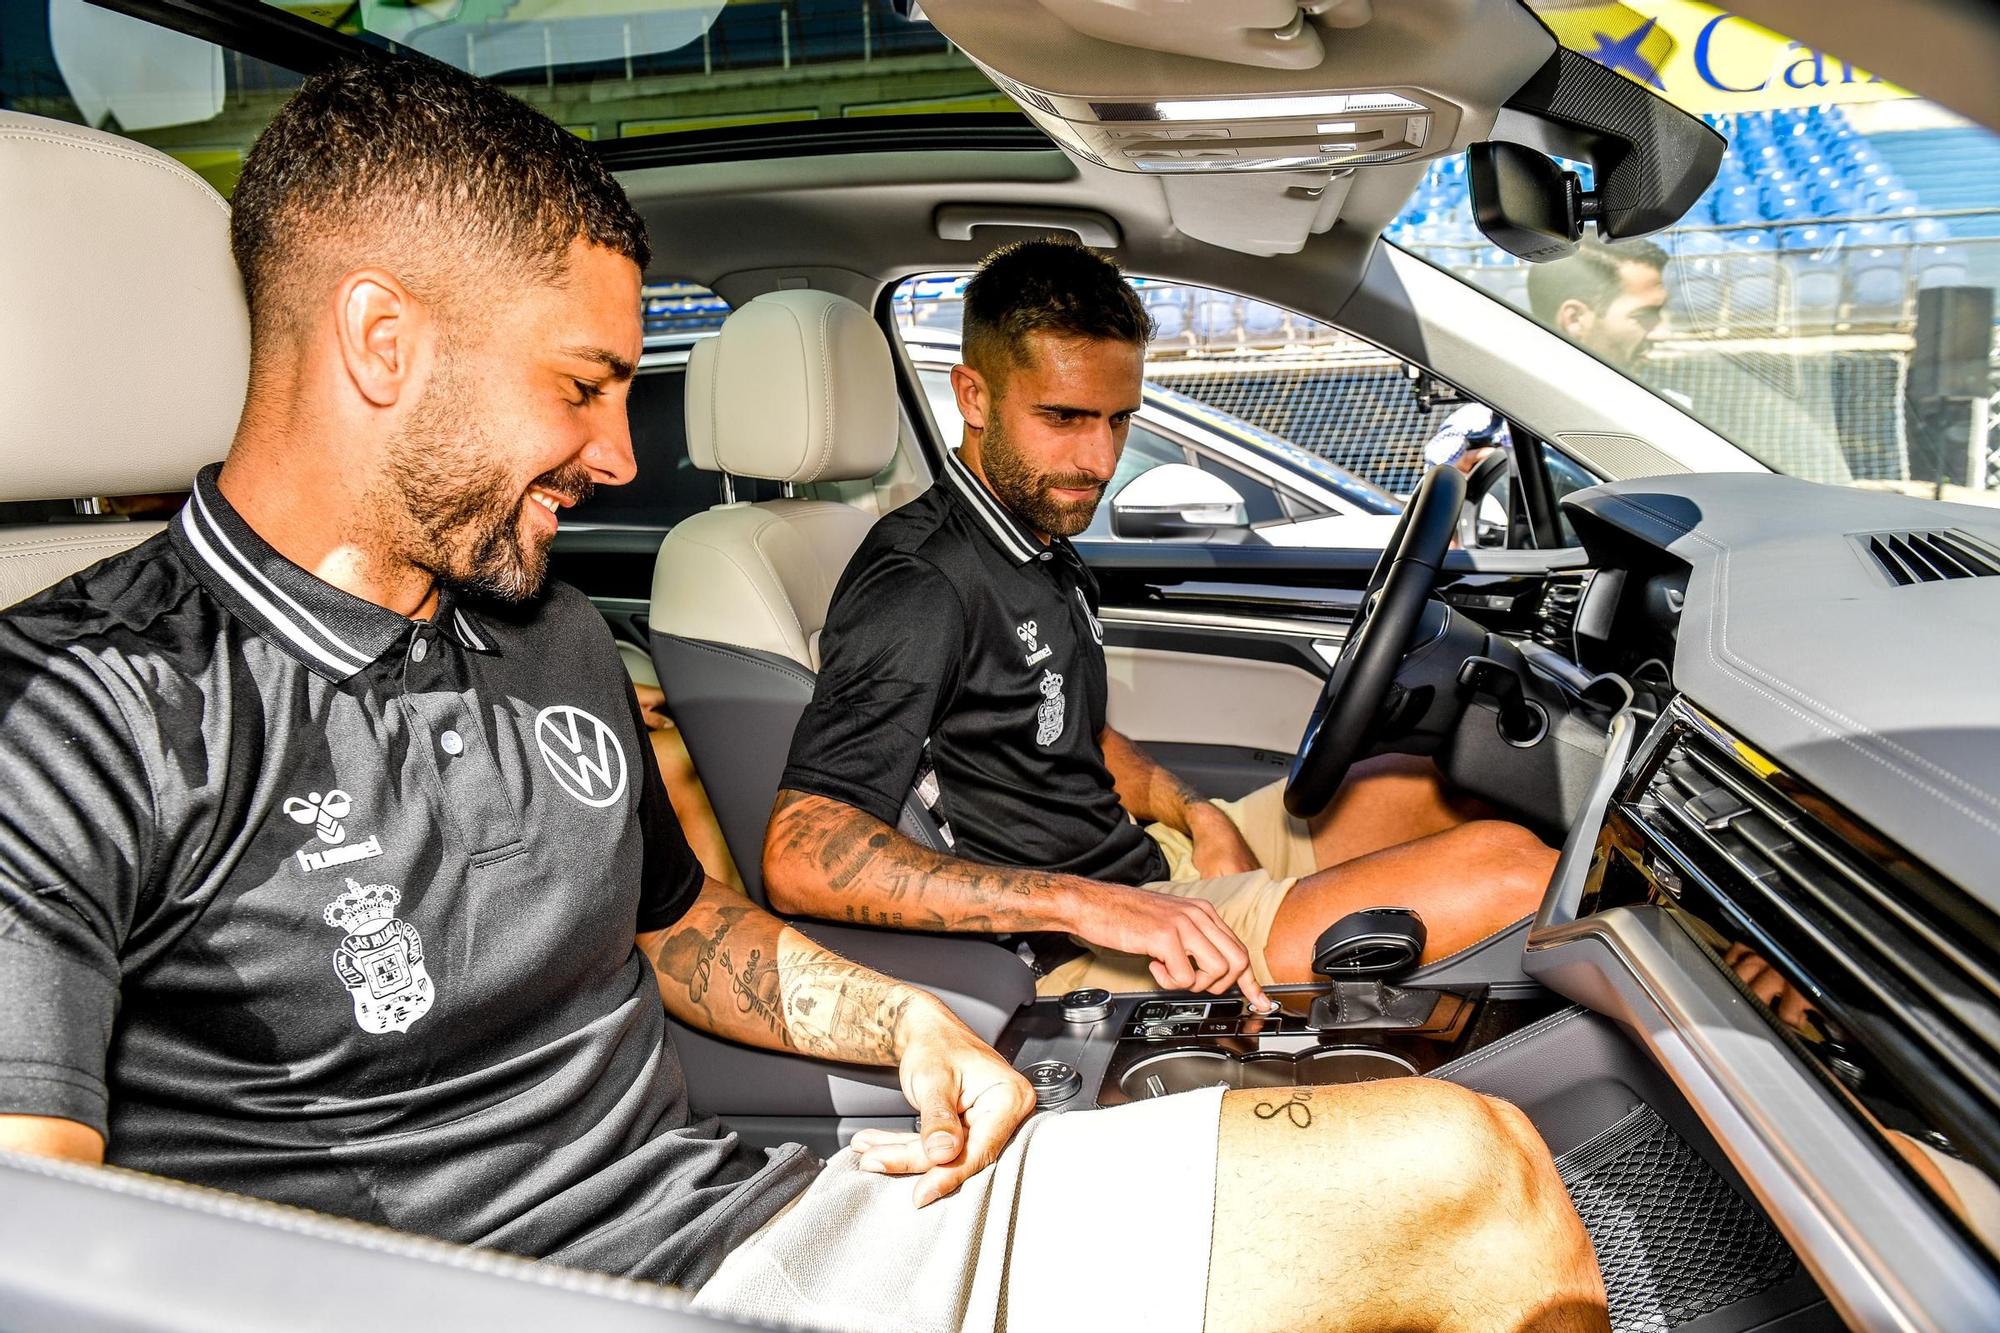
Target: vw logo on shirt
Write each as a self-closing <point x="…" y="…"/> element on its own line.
<point x="583" y="753"/>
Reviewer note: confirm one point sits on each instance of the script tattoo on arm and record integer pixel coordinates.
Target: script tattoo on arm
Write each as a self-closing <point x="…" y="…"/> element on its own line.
<point x="730" y="968"/>
<point x="825" y="858"/>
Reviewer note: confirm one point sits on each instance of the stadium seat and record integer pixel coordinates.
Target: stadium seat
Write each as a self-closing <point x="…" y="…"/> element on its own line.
<point x="1939" y="266"/>
<point x="1875" y="285"/>
<point x="1263" y="323"/>
<point x="1816" y="292"/>
<point x="1215" y="319"/>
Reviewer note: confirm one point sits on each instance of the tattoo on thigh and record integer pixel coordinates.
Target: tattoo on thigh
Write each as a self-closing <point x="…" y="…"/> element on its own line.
<point x="1297" y="1108"/>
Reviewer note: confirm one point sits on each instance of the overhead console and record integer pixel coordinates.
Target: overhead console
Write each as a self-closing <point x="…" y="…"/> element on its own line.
<point x="1297" y="95"/>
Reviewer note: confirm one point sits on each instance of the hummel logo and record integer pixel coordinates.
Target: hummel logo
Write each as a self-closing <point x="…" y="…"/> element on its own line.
<point x="1028" y="631"/>
<point x="583" y="754"/>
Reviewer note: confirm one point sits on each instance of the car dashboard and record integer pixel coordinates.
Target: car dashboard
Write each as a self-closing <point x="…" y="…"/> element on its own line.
<point x="1781" y="882"/>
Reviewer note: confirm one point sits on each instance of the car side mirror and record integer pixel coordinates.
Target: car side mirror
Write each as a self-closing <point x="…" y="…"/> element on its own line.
<point x="1176" y="500"/>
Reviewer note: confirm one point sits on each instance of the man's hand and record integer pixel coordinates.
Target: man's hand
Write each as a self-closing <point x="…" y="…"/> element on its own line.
<point x="1190" y="946"/>
<point x="969" y="1103"/>
<point x="1219" y="848"/>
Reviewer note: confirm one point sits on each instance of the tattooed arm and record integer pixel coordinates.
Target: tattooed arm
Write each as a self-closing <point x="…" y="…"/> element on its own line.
<point x="1152" y="792"/>
<point x="825" y="858"/>
<point x="730" y="968"/>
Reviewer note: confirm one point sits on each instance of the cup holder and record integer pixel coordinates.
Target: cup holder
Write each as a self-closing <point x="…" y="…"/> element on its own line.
<point x="1167" y="1072"/>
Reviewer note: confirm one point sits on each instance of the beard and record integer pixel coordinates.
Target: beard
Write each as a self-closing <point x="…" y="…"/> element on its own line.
<point x="458" y="513"/>
<point x="1025" y="492"/>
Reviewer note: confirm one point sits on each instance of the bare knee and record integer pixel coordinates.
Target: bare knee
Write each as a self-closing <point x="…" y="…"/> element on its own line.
<point x="1502" y="840"/>
<point x="1509" y="860"/>
<point x="1483" y="1159"/>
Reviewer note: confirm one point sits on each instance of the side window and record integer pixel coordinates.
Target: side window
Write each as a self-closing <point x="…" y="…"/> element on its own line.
<point x="1322" y="400"/>
<point x="1318" y="431"/>
<point x="1261" y="504"/>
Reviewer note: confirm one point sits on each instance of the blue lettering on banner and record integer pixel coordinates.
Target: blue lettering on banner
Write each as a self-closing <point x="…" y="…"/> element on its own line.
<point x="1705" y="67"/>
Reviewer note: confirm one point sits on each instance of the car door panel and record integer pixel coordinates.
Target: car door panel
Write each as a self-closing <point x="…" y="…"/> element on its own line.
<point x="1216" y="698"/>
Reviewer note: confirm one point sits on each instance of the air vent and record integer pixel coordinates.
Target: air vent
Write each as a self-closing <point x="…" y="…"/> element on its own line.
<point x="1931" y="557"/>
<point x="1757" y="839"/>
<point x="1556" y="616"/>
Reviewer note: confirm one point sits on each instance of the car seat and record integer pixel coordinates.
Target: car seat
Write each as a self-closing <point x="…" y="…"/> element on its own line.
<point x="798" y="387"/>
<point x="124" y="335"/>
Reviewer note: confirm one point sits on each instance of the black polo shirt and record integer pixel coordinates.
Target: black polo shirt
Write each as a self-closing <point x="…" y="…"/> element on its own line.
<point x="954" y="625"/>
<point x="303" y="899"/>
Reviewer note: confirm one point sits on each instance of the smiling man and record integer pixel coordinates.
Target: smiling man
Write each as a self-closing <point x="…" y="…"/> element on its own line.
<point x="963" y="654"/>
<point x="335" y="868"/>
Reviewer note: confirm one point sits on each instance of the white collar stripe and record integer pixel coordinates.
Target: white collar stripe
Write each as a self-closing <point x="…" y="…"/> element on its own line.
<point x="191" y="528"/>
<point x="333" y="641"/>
<point x="467" y="635"/>
<point x="988" y="508"/>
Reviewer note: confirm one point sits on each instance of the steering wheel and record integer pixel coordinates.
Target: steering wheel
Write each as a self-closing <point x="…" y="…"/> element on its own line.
<point x="1384" y="629"/>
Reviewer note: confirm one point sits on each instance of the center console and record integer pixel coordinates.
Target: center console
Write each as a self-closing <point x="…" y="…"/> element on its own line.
<point x="1090" y="1048"/>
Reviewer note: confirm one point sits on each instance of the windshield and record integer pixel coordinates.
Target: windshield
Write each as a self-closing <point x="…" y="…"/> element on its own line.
<point x="1827" y="305"/>
<point x="603" y="69"/>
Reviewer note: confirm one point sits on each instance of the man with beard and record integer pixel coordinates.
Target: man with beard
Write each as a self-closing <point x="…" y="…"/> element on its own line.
<point x="1608" y="298"/>
<point x="335" y="870"/>
<point x="962" y="655"/>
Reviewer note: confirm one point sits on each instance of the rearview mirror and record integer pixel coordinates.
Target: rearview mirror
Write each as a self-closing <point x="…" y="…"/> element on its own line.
<point x="1176" y="500"/>
<point x="1524" y="202"/>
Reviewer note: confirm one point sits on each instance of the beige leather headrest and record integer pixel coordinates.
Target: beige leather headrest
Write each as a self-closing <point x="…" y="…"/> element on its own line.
<point x="123" y="334"/>
<point x="798" y="386"/>
<point x="698" y="405"/>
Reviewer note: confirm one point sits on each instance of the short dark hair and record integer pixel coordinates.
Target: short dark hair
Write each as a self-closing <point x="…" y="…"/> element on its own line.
<point x="1590" y="275"/>
<point x="1046" y="285"/>
<point x="411" y="160"/>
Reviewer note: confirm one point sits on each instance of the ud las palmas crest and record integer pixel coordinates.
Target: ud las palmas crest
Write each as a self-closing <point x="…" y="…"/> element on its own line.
<point x="381" y="962"/>
<point x="1049" y="713"/>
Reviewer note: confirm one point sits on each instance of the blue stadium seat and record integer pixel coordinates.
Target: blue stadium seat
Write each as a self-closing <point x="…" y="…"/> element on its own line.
<point x="1263" y="323"/>
<point x="1816" y="291"/>
<point x="1874" y="284"/>
<point x="1215" y="318"/>
<point x="1753" y="298"/>
<point x="1939" y="266"/>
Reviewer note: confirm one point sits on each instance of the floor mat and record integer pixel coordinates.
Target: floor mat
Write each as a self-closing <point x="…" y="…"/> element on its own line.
<point x="1674" y="1241"/>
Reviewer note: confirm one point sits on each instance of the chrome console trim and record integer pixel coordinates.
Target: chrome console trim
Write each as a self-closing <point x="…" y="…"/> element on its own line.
<point x="1875" y="1242"/>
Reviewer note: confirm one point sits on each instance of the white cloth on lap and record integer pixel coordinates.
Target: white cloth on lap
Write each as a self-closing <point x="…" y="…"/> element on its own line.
<point x="1021" y="1246"/>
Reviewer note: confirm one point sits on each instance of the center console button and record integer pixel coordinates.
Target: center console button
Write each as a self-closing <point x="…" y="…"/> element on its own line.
<point x="1053" y="1081"/>
<point x="1219" y="1027"/>
<point x="1086" y="1006"/>
<point x="1151" y="1011"/>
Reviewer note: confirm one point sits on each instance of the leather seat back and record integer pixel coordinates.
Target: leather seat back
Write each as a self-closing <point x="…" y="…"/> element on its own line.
<point x="797" y="387"/>
<point x="123" y="332"/>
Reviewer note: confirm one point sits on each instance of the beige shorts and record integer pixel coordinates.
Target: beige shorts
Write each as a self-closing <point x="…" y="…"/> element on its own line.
<point x="1022" y="1245"/>
<point x="1247" y="903"/>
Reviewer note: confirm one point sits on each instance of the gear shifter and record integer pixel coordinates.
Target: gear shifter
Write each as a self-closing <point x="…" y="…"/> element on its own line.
<point x="1374" y="942"/>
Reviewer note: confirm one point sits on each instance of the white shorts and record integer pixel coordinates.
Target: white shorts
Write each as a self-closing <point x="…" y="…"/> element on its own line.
<point x="1031" y="1243"/>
